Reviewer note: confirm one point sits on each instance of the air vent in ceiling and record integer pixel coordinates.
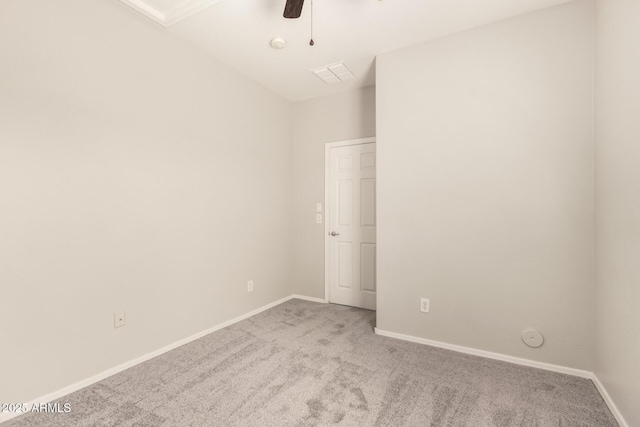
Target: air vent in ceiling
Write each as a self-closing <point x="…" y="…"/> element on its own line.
<point x="334" y="73"/>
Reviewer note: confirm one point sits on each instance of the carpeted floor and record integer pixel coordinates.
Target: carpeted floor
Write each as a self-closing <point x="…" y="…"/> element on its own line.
<point x="304" y="363"/>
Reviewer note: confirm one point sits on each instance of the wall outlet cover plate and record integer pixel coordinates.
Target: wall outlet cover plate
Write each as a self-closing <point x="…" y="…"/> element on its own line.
<point x="119" y="319"/>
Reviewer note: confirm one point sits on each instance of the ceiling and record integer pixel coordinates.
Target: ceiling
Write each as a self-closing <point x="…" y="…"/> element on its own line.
<point x="238" y="32"/>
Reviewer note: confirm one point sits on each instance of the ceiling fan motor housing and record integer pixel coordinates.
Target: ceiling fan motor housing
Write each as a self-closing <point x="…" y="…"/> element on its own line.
<point x="293" y="9"/>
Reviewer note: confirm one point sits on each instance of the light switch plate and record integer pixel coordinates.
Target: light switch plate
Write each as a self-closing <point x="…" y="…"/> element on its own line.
<point x="318" y="218"/>
<point x="318" y="207"/>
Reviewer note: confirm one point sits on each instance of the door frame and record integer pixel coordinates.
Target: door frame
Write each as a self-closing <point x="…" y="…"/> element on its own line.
<point x="327" y="170"/>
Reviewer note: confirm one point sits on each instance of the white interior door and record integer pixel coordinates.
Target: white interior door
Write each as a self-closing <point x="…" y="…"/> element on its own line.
<point x="352" y="225"/>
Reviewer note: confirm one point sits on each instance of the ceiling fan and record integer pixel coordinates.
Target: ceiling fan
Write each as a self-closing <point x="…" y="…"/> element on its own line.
<point x="293" y="9"/>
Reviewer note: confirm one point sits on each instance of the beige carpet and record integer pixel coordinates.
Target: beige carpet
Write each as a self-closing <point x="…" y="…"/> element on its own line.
<point x="303" y="363"/>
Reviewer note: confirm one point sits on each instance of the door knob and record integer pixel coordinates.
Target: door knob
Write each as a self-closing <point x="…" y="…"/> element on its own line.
<point x="333" y="233"/>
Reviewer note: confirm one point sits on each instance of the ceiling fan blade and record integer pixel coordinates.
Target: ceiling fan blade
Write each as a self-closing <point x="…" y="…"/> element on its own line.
<point x="293" y="8"/>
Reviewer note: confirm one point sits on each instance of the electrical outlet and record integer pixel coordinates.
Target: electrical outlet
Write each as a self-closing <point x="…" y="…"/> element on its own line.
<point x="425" y="305"/>
<point x="250" y="286"/>
<point x="118" y="319"/>
<point x="318" y="218"/>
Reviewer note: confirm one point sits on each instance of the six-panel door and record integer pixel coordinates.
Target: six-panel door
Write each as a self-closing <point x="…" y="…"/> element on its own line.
<point x="352" y="218"/>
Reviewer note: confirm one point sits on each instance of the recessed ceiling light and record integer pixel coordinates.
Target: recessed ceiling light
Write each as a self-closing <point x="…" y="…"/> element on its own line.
<point x="278" y="43"/>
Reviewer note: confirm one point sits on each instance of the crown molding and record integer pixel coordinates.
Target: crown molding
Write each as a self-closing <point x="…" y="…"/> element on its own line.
<point x="171" y="16"/>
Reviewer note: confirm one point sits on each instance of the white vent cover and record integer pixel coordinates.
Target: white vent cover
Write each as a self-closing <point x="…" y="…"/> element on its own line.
<point x="334" y="73"/>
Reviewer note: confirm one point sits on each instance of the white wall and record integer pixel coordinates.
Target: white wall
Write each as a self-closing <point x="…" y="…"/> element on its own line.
<point x="348" y="115"/>
<point x="136" y="174"/>
<point x="617" y="206"/>
<point x="485" y="197"/>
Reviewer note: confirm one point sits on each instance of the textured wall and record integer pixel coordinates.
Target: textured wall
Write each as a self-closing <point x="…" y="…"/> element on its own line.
<point x="617" y="206"/>
<point x="348" y="115"/>
<point x="485" y="197"/>
<point x="136" y="174"/>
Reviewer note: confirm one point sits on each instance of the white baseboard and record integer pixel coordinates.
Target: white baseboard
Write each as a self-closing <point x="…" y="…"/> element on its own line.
<point x="112" y="371"/>
<point x="612" y="406"/>
<point x="312" y="299"/>
<point x="489" y="355"/>
<point x="497" y="356"/>
<point x="518" y="361"/>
